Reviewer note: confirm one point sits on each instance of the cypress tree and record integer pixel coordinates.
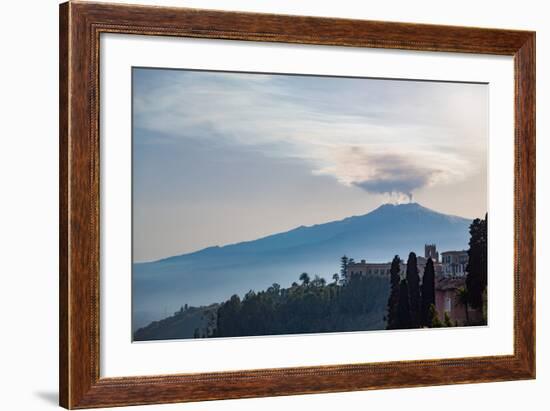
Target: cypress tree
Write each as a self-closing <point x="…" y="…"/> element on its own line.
<point x="428" y="292"/>
<point x="403" y="307"/>
<point x="476" y="279"/>
<point x="484" y="258"/>
<point x="343" y="267"/>
<point x="463" y="298"/>
<point x="413" y="282"/>
<point x="393" y="299"/>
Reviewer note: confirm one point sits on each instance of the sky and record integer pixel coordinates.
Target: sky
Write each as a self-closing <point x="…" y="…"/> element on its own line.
<point x="222" y="157"/>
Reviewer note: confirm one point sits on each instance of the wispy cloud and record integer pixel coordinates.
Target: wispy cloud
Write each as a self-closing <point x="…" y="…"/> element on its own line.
<point x="394" y="172"/>
<point x="385" y="137"/>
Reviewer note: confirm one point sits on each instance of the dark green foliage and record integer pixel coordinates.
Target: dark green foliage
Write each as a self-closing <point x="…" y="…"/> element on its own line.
<point x="304" y="278"/>
<point x="318" y="281"/>
<point x="413" y="283"/>
<point x="463" y="298"/>
<point x="435" y="322"/>
<point x="428" y="293"/>
<point x="343" y="267"/>
<point x="393" y="299"/>
<point x="447" y="322"/>
<point x="484" y="307"/>
<point x="227" y="316"/>
<point x="311" y="307"/>
<point x="403" y="308"/>
<point x="476" y="280"/>
<point x="187" y="322"/>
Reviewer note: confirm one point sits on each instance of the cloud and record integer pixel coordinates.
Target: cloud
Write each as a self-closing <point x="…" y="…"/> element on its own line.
<point x="397" y="175"/>
<point x="401" y="184"/>
<point x="385" y="137"/>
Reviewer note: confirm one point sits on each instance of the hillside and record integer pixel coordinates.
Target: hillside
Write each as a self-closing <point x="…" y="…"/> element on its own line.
<point x="213" y="274"/>
<point x="183" y="324"/>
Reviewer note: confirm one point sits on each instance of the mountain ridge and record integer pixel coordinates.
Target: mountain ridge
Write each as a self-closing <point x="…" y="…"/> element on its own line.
<point x="379" y="209"/>
<point x="213" y="274"/>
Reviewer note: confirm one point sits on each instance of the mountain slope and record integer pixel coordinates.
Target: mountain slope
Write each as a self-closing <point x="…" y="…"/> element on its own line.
<point x="213" y="274"/>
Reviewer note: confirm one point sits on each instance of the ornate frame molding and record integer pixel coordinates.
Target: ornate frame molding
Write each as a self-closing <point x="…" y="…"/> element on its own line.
<point x="81" y="24"/>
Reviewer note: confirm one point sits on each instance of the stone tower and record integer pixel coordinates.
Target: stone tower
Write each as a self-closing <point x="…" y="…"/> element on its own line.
<point x="430" y="251"/>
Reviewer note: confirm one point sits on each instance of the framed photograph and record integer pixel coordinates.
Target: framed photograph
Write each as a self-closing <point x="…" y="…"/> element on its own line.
<point x="258" y="205"/>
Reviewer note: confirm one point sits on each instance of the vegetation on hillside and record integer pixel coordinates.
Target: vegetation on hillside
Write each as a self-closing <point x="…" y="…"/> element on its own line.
<point x="347" y="303"/>
<point x="187" y="322"/>
<point x="311" y="306"/>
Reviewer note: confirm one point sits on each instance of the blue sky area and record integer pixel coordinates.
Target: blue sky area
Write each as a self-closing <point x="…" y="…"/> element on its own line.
<point x="225" y="157"/>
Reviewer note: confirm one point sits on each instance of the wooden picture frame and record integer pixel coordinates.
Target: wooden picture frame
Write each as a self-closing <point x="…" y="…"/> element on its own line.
<point x="80" y="27"/>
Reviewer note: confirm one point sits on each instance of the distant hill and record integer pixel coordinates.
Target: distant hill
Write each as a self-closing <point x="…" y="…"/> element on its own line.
<point x="182" y="324"/>
<point x="213" y="274"/>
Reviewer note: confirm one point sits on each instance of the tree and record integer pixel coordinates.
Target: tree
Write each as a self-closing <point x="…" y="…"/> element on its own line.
<point x="484" y="307"/>
<point x="344" y="267"/>
<point x="393" y="299"/>
<point x="317" y="307"/>
<point x="435" y="322"/>
<point x="318" y="281"/>
<point x="335" y="277"/>
<point x="447" y="320"/>
<point x="304" y="278"/>
<point x="413" y="282"/>
<point x="476" y="279"/>
<point x="428" y="292"/>
<point x="463" y="298"/>
<point x="403" y="307"/>
<point x="227" y="319"/>
<point x="274" y="289"/>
